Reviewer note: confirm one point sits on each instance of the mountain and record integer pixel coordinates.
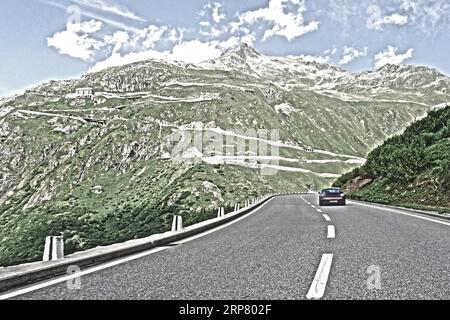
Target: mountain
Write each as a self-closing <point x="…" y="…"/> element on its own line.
<point x="411" y="169"/>
<point x="407" y="82"/>
<point x="101" y="168"/>
<point x="285" y="72"/>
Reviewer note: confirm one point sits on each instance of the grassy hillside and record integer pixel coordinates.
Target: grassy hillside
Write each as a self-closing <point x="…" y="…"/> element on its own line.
<point x="411" y="169"/>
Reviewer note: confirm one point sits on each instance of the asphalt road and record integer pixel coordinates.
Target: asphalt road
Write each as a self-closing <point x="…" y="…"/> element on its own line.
<point x="275" y="253"/>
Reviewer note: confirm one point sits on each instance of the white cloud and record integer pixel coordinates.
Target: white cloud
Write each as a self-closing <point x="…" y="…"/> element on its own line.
<point x="390" y="56"/>
<point x="213" y="32"/>
<point x="152" y="34"/>
<point x="248" y="39"/>
<point x="285" y="17"/>
<point x="109" y="7"/>
<point x="195" y="51"/>
<point x="118" y="39"/>
<point x="234" y="41"/>
<point x="213" y="28"/>
<point x="76" y="42"/>
<point x="325" y="58"/>
<point x="376" y="21"/>
<point x="213" y="10"/>
<point x="350" y="54"/>
<point x="317" y="59"/>
<point x="116" y="59"/>
<point x="143" y="39"/>
<point x="190" y="51"/>
<point x="331" y="51"/>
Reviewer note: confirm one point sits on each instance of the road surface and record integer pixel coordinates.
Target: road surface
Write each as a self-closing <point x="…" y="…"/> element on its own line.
<point x="289" y="249"/>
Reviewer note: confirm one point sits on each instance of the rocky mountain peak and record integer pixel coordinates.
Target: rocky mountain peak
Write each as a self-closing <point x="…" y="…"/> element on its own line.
<point x="243" y="51"/>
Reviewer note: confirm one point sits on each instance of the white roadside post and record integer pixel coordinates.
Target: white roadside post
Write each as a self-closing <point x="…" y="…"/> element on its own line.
<point x="58" y="248"/>
<point x="220" y="212"/>
<point x="47" y="247"/>
<point x="53" y="249"/>
<point x="177" y="223"/>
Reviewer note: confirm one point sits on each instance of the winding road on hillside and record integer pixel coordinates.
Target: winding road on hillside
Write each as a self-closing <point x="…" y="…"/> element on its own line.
<point x="290" y="248"/>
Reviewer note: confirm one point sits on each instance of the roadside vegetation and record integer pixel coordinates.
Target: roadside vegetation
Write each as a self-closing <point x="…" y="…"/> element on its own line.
<point x="411" y="169"/>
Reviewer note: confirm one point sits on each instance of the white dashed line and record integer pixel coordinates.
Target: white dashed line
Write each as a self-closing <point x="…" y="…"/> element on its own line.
<point x="331" y="232"/>
<point x="318" y="210"/>
<point x="314" y="207"/>
<point x="317" y="289"/>
<point x="327" y="218"/>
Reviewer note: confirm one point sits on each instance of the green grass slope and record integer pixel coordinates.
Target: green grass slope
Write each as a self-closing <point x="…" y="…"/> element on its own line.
<point x="411" y="169"/>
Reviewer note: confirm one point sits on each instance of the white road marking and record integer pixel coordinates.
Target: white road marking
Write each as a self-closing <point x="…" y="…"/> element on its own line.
<point x="317" y="289"/>
<point x="331" y="232"/>
<point x="318" y="210"/>
<point x="313" y="206"/>
<point x="327" y="218"/>
<point x="401" y="212"/>
<point x="49" y="283"/>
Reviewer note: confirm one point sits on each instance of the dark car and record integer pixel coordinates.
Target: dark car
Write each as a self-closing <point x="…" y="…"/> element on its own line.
<point x="332" y="196"/>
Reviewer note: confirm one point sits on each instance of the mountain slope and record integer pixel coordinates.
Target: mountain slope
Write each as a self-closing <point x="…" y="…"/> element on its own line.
<point x="107" y="169"/>
<point x="409" y="169"/>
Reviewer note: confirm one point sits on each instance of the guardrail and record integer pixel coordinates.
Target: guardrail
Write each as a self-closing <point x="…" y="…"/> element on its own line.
<point x="16" y="276"/>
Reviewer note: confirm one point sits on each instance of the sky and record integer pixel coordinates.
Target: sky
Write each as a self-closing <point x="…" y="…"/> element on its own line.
<point x="42" y="40"/>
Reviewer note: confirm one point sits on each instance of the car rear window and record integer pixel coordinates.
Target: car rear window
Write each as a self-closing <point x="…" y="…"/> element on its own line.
<point x="332" y="191"/>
